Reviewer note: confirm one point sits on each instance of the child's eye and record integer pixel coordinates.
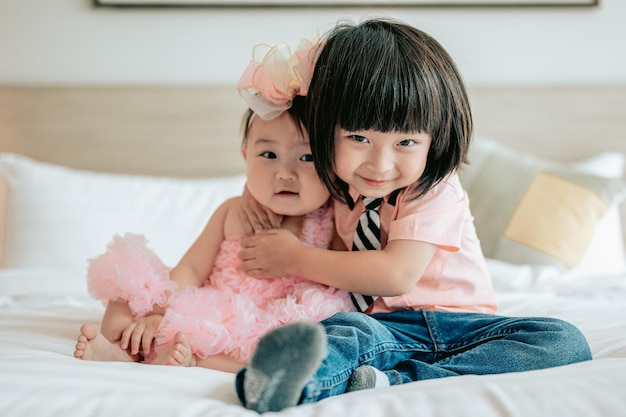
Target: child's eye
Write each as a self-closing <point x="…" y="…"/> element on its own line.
<point x="307" y="157"/>
<point x="359" y="138"/>
<point x="268" y="155"/>
<point x="406" y="142"/>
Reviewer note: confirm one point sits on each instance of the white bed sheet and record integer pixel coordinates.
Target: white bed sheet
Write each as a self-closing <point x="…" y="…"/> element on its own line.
<point x="41" y="311"/>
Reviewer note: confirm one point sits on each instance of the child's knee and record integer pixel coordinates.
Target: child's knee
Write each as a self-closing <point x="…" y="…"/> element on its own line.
<point x="572" y="346"/>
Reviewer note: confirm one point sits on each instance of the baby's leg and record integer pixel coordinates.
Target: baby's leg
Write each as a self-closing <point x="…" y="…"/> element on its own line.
<point x="117" y="317"/>
<point x="222" y="363"/>
<point x="179" y="353"/>
<point x="93" y="346"/>
<point x="104" y="345"/>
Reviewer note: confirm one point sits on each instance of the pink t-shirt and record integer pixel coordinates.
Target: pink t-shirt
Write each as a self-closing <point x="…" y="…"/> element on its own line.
<point x="457" y="278"/>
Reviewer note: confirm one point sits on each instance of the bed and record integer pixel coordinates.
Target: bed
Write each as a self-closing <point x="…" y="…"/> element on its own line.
<point x="80" y="164"/>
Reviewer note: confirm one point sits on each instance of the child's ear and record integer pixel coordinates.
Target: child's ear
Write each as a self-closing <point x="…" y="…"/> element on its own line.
<point x="244" y="152"/>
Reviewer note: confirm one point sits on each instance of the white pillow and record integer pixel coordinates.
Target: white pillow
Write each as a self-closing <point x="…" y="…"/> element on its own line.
<point x="606" y="253"/>
<point x="60" y="217"/>
<point x="532" y="211"/>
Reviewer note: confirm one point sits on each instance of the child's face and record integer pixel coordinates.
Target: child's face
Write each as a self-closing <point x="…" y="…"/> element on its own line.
<point x="279" y="167"/>
<point x="375" y="164"/>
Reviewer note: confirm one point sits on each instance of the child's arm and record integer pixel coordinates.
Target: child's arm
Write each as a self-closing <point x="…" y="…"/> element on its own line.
<point x="192" y="270"/>
<point x="195" y="266"/>
<point x="389" y="272"/>
<point x="255" y="216"/>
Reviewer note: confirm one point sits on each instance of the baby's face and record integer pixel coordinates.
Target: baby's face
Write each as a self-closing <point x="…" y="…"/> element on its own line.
<point x="279" y="167"/>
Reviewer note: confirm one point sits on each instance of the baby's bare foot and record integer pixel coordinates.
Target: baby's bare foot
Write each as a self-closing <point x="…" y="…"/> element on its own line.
<point x="179" y="353"/>
<point x="91" y="345"/>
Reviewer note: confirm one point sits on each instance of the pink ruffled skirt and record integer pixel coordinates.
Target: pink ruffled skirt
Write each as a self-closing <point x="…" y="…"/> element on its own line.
<point x="130" y="272"/>
<point x="232" y="311"/>
<point x="231" y="315"/>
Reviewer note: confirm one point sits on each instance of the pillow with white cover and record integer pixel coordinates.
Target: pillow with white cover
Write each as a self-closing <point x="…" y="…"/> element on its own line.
<point x="60" y="217"/>
<point x="532" y="211"/>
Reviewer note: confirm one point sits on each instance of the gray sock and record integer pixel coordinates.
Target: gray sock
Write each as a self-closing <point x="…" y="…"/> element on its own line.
<point x="366" y="377"/>
<point x="284" y="360"/>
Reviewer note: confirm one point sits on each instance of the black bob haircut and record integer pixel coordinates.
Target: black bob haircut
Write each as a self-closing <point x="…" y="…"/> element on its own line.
<point x="387" y="76"/>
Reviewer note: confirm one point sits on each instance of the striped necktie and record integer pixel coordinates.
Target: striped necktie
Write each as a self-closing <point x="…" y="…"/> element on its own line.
<point x="367" y="237"/>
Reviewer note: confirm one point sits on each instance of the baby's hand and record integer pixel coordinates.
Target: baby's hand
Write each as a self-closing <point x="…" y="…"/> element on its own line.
<point x="140" y="334"/>
<point x="254" y="216"/>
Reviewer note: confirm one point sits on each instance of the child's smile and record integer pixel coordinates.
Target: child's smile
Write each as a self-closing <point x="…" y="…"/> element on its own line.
<point x="377" y="163"/>
<point x="375" y="183"/>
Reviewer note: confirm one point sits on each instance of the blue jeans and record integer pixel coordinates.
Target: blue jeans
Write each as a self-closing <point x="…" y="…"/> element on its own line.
<point x="417" y="345"/>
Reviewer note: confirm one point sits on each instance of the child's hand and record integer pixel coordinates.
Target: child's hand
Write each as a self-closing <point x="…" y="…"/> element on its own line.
<point x="269" y="253"/>
<point x="254" y="216"/>
<point x="140" y="334"/>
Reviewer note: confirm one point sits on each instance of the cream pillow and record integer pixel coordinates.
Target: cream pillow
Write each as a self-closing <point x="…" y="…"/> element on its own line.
<point x="530" y="210"/>
<point x="60" y="217"/>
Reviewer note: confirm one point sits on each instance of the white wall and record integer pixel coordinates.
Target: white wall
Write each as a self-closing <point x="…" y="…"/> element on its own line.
<point x="71" y="42"/>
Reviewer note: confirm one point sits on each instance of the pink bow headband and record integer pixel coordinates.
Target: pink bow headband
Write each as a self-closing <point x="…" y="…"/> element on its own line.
<point x="275" y="76"/>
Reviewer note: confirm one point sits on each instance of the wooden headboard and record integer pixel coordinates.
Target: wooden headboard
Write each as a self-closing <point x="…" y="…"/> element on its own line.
<point x="176" y="131"/>
<point x="195" y="131"/>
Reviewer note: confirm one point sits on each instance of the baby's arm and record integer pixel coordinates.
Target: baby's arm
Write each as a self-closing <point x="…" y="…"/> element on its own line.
<point x="192" y="270"/>
<point x="389" y="272"/>
<point x="195" y="266"/>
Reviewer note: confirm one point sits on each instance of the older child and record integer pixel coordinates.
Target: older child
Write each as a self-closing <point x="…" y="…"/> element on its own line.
<point x="218" y="325"/>
<point x="390" y="125"/>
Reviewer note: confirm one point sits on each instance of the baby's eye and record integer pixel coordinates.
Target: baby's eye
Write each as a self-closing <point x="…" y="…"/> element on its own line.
<point x="359" y="138"/>
<point x="268" y="155"/>
<point x="307" y="157"/>
<point x="406" y="142"/>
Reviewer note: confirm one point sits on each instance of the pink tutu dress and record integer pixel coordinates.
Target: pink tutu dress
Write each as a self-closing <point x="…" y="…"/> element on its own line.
<point x="231" y="311"/>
